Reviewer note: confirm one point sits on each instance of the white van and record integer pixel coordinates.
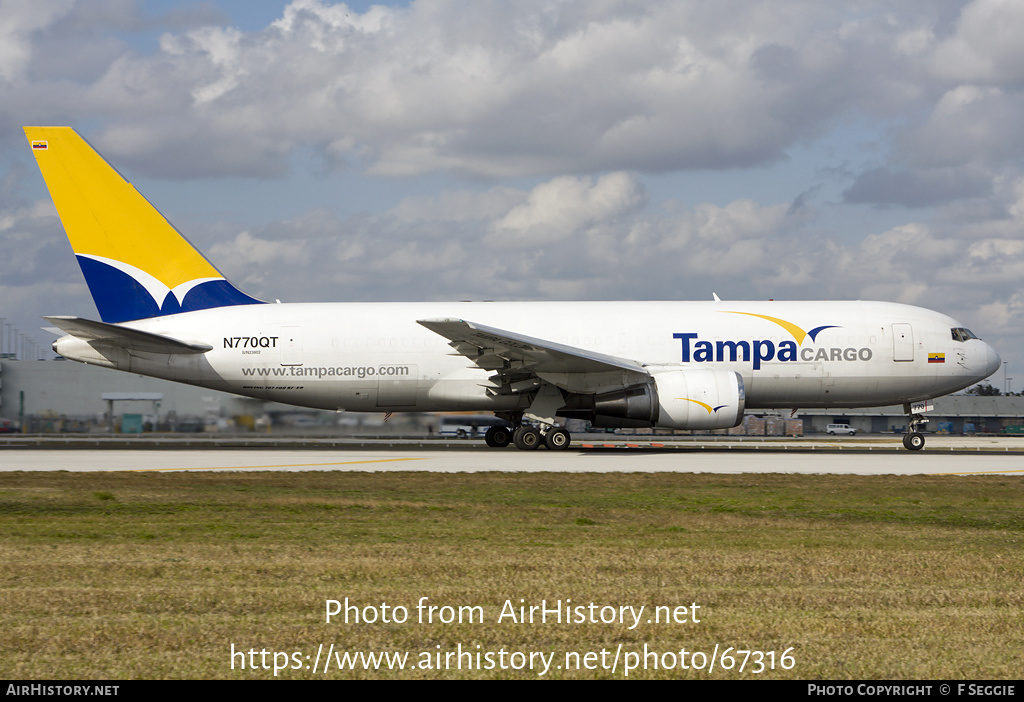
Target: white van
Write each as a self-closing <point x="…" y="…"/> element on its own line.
<point x="833" y="429"/>
<point x="462" y="426"/>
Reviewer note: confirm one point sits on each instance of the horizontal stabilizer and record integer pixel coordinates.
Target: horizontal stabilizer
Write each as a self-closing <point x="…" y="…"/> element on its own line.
<point x="123" y="337"/>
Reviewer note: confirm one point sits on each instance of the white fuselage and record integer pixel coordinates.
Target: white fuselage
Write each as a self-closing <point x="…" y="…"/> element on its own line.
<point x="375" y="357"/>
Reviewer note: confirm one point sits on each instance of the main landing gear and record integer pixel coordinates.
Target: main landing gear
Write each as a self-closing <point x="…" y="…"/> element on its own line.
<point x="528" y="438"/>
<point x="497" y="437"/>
<point x="914" y="440"/>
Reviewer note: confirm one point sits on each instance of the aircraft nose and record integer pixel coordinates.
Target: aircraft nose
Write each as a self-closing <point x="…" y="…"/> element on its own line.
<point x="992" y="360"/>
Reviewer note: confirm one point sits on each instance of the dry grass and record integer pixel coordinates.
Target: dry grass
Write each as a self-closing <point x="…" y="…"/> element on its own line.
<point x="120" y="575"/>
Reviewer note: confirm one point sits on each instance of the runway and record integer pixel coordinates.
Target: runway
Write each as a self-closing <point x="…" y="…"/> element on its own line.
<point x="824" y="457"/>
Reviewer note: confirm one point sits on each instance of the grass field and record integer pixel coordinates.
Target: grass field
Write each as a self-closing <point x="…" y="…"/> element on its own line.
<point x="159" y="575"/>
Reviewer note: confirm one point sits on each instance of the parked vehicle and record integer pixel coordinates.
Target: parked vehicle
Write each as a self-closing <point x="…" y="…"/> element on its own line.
<point x="833" y="429"/>
<point x="462" y="426"/>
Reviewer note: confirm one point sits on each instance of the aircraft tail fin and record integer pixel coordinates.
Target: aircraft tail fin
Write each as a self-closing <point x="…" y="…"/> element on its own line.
<point x="137" y="265"/>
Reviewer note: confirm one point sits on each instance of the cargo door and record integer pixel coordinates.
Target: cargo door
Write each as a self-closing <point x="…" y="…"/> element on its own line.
<point x="397" y="385"/>
<point x="291" y="346"/>
<point x="902" y="342"/>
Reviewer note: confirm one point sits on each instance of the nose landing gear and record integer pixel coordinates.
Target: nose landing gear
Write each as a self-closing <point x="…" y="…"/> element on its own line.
<point x="914" y="440"/>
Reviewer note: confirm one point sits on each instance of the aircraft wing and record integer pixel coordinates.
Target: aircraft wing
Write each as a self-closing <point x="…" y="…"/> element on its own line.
<point x="520" y="359"/>
<point x="123" y="337"/>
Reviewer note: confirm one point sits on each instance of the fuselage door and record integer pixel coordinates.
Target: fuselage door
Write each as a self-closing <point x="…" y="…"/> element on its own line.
<point x="397" y="386"/>
<point x="291" y="346"/>
<point x="902" y="342"/>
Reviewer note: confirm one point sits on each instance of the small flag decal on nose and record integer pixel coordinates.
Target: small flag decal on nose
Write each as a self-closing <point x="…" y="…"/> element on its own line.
<point x="936" y="358"/>
<point x="38" y="145"/>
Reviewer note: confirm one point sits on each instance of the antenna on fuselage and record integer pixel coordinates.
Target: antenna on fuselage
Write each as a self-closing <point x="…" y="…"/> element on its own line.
<point x="715" y="295"/>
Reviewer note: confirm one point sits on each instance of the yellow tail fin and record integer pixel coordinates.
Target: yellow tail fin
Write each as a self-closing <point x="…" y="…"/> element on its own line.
<point x="136" y="263"/>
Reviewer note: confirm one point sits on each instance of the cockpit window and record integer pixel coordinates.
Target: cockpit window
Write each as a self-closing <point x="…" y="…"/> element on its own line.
<point x="961" y="334"/>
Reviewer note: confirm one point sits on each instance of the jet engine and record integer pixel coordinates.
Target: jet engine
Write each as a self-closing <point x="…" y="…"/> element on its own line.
<point x="673" y="399"/>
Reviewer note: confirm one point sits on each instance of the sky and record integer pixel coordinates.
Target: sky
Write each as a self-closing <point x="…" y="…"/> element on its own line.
<point x="539" y="150"/>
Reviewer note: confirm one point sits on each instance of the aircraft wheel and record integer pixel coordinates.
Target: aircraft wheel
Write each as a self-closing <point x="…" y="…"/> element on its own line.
<point x="526" y="438"/>
<point x="913" y="441"/>
<point x="557" y="439"/>
<point x="497" y="437"/>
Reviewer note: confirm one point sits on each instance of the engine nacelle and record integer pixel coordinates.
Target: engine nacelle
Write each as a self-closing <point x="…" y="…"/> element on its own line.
<point x="675" y="399"/>
<point x="700" y="399"/>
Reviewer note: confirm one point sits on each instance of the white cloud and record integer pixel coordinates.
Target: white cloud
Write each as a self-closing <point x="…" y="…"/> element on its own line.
<point x="19" y="19"/>
<point x="987" y="45"/>
<point x="501" y="90"/>
<point x="458" y="206"/>
<point x="561" y="207"/>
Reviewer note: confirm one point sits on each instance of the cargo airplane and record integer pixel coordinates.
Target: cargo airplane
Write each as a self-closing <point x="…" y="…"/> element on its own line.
<point x="167" y="312"/>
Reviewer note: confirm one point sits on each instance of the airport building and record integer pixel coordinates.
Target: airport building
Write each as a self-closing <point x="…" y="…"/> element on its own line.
<point x="58" y="396"/>
<point x="63" y="396"/>
<point x="953" y="414"/>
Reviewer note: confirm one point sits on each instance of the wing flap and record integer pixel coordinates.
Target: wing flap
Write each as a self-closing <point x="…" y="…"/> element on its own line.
<point x="123" y="337"/>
